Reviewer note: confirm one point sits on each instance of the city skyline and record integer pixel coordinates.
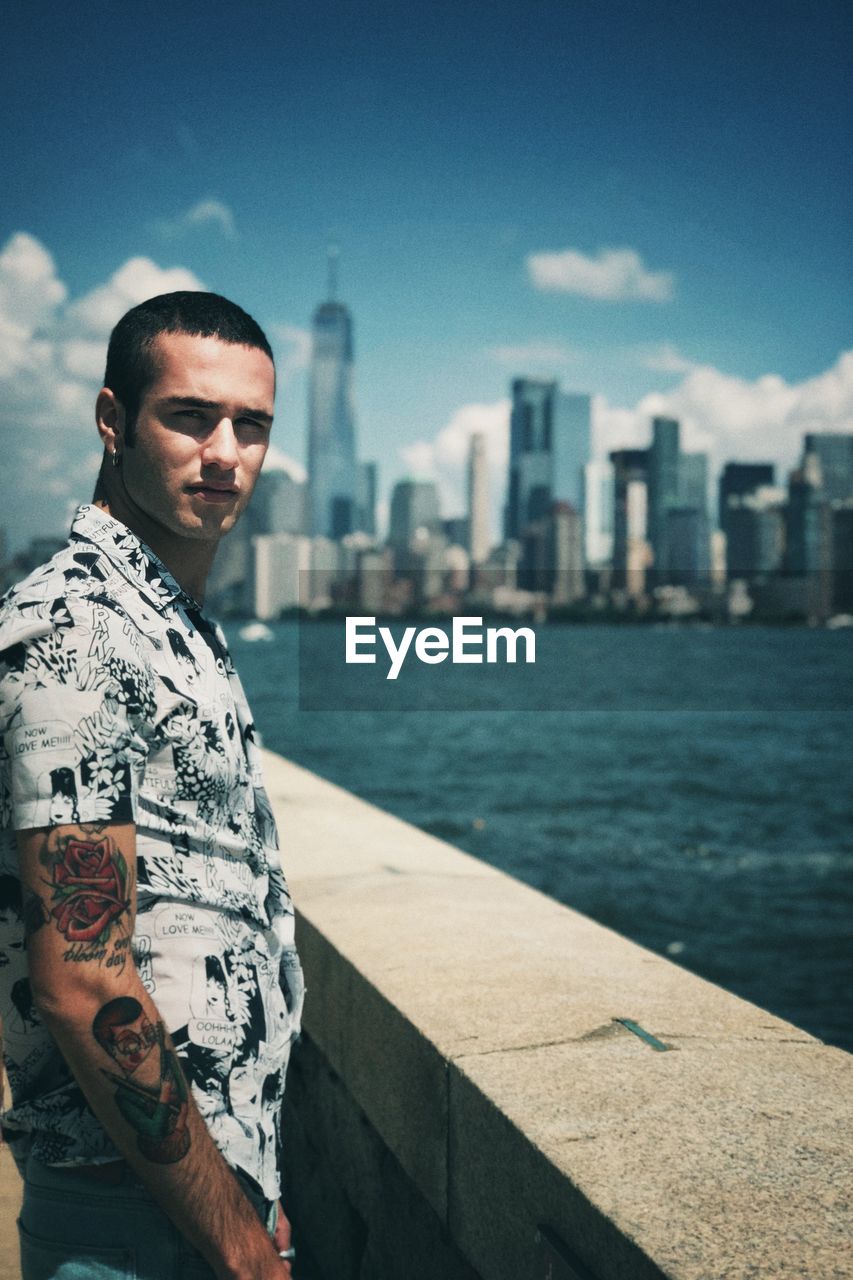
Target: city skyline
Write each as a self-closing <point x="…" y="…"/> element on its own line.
<point x="647" y="207"/>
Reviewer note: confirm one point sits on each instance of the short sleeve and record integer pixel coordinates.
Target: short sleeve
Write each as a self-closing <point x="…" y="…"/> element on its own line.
<point x="76" y="696"/>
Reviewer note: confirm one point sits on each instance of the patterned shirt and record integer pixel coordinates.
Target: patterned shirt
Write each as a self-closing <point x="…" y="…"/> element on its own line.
<point x="119" y="703"/>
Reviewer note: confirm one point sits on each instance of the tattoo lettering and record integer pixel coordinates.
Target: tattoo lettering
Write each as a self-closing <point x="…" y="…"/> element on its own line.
<point x="151" y="1093"/>
<point x="89" y="896"/>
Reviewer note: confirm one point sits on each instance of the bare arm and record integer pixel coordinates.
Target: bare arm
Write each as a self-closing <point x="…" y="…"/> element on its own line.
<point x="80" y="900"/>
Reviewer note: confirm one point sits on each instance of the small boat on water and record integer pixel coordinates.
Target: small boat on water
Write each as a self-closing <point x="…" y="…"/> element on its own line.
<point x="255" y="631"/>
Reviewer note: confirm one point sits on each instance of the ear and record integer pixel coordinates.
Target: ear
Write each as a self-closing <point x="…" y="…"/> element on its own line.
<point x="110" y="417"/>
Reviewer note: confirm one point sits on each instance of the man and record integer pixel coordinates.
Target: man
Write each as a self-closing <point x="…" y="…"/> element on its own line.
<point x="140" y="843"/>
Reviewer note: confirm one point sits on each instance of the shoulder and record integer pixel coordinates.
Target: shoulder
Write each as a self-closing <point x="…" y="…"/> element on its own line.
<point x="29" y="609"/>
<point x="73" y="611"/>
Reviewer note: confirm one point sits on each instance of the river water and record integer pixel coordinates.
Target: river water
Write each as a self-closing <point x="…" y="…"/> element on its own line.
<point x="692" y="792"/>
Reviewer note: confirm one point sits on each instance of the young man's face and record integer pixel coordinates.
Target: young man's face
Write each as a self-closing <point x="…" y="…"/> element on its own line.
<point x="201" y="435"/>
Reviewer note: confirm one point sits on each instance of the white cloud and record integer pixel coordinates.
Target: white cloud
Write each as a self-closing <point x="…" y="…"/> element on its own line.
<point x="729" y="418"/>
<point x="539" y="354"/>
<point x="292" y="346"/>
<point x="383" y="517"/>
<point x="30" y="294"/>
<point x="665" y="358"/>
<point x="738" y="418"/>
<point x="444" y="459"/>
<point x="136" y="280"/>
<point x="420" y="459"/>
<point x="614" y="275"/>
<point x="84" y="358"/>
<point x="30" y="289"/>
<point x="52" y="355"/>
<point x="450" y="447"/>
<point x="207" y="212"/>
<point x="51" y="362"/>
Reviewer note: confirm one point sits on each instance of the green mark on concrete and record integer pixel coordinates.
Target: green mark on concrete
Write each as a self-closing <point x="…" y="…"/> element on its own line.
<point x="644" y="1035"/>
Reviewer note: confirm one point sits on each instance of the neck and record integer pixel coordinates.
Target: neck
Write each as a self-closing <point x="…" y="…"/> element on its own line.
<point x="189" y="561"/>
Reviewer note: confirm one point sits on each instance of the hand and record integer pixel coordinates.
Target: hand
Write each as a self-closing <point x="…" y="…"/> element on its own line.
<point x="249" y="1266"/>
<point x="281" y="1237"/>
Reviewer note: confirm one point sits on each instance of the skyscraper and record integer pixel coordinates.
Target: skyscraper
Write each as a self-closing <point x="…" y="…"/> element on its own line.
<point x="550" y="442"/>
<point x="688" y="533"/>
<point x="842" y="558"/>
<point x="278" y="573"/>
<point x="807" y="520"/>
<point x="688" y="546"/>
<point x="755" y="532"/>
<point x="664" y="485"/>
<point x="693" y="482"/>
<point x="630" y="518"/>
<point x="366" y="489"/>
<point x="808" y="534"/>
<point x="332" y="472"/>
<point x="571" y="445"/>
<point x="479" y="539"/>
<point x="834" y="452"/>
<point x="552" y="556"/>
<point x="740" y="478"/>
<point x="749" y="526"/>
<point x="278" y="503"/>
<point x="598" y="512"/>
<point x="414" y="508"/>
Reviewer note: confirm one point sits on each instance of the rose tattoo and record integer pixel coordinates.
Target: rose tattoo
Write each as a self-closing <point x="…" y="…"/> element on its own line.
<point x="89" y="888"/>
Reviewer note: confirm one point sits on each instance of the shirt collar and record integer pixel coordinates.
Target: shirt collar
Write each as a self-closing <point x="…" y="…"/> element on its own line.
<point x="133" y="558"/>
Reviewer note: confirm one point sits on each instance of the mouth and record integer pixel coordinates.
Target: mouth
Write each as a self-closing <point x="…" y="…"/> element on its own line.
<point x="210" y="492"/>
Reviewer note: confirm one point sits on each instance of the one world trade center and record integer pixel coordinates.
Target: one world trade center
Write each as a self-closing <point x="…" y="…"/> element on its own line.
<point x="332" y="471"/>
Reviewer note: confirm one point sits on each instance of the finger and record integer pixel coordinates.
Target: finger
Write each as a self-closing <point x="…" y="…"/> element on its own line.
<point x="282" y="1232"/>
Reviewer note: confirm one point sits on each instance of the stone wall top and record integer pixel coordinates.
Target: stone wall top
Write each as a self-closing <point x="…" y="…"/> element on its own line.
<point x="529" y="1067"/>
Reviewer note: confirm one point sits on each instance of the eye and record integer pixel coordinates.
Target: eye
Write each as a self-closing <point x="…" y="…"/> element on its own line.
<point x="190" y="419"/>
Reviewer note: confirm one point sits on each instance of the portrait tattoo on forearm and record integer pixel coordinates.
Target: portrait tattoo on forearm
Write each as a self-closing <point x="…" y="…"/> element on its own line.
<point x="151" y="1093"/>
<point x="88" y="896"/>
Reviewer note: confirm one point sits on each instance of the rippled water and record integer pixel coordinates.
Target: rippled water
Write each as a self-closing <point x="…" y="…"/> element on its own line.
<point x="723" y="838"/>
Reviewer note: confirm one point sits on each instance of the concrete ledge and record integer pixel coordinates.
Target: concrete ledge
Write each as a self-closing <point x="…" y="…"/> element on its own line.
<point x="472" y="1023"/>
<point x="356" y="1212"/>
<point x="464" y="1079"/>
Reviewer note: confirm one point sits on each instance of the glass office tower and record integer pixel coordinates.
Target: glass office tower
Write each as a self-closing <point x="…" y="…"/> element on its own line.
<point x="332" y="472"/>
<point x="550" y="444"/>
<point x="664" y="486"/>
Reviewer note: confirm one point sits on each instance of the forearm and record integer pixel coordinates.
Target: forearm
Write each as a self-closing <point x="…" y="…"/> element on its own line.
<point x="148" y="1111"/>
<point x="79" y="906"/>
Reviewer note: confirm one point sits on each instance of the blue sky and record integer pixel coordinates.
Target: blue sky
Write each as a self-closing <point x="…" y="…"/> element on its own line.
<point x="449" y="149"/>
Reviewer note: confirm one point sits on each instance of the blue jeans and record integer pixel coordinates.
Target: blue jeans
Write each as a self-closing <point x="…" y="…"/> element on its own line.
<point x="75" y="1228"/>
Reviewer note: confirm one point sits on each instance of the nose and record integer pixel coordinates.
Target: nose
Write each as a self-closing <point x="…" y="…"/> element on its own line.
<point x="220" y="447"/>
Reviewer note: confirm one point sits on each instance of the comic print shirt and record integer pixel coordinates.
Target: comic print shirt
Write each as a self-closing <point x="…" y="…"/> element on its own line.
<point x="119" y="702"/>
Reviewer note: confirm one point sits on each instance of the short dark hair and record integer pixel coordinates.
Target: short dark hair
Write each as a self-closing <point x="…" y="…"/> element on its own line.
<point x="130" y="360"/>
